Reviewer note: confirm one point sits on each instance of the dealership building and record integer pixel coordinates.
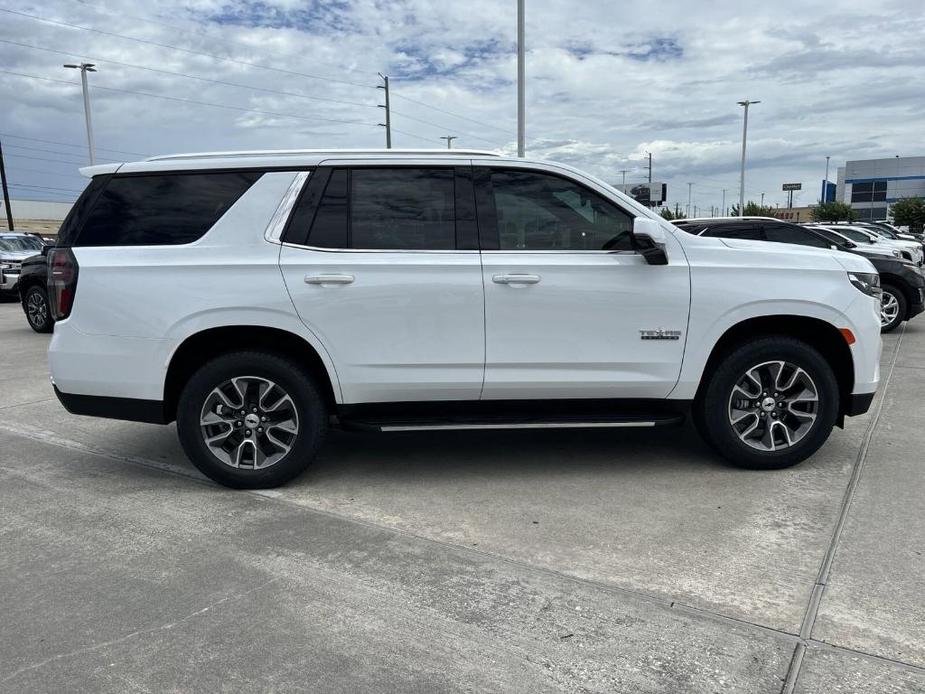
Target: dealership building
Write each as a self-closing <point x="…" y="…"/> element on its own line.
<point x="870" y="186"/>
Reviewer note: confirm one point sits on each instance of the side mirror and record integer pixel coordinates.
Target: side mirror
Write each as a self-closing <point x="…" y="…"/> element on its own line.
<point x="649" y="239"/>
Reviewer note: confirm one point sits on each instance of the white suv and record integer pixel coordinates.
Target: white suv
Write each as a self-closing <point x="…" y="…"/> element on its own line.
<point x="259" y="297"/>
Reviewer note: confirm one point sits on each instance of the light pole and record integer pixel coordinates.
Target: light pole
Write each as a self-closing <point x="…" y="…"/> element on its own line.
<point x="623" y="171"/>
<point x="724" y="203"/>
<point x="449" y="139"/>
<point x="84" y="69"/>
<point x="762" y="199"/>
<point x="388" y="111"/>
<point x="746" y="104"/>
<point x="650" y="166"/>
<point x="521" y="94"/>
<point x="689" y="185"/>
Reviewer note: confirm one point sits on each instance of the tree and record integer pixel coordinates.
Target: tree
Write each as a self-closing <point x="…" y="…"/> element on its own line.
<point x="909" y="212"/>
<point x="753" y="209"/>
<point x="833" y="212"/>
<point x="669" y="215"/>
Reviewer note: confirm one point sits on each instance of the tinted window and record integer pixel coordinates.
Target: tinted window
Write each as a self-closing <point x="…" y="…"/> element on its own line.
<point x="330" y="227"/>
<point x="541" y="212"/>
<point x="161" y="209"/>
<point x="785" y="233"/>
<point x="402" y="208"/>
<point x="78" y="213"/>
<point x="742" y="230"/>
<point x="831" y="236"/>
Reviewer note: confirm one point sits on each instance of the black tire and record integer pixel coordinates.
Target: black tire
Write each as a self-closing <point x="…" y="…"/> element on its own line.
<point x="38" y="313"/>
<point x="896" y="292"/>
<point x="307" y="402"/>
<point x="712" y="408"/>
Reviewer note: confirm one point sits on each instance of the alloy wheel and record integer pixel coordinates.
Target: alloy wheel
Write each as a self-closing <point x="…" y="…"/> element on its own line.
<point x="36" y="310"/>
<point x="889" y="308"/>
<point x="249" y="422"/>
<point x="773" y="406"/>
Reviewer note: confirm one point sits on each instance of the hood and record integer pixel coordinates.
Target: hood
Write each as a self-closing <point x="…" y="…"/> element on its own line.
<point x="17" y="255"/>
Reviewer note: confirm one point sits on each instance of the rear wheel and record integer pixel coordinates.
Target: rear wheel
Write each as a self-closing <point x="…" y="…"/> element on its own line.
<point x="892" y="308"/>
<point x="770" y="404"/>
<point x="35" y="303"/>
<point x="251" y="420"/>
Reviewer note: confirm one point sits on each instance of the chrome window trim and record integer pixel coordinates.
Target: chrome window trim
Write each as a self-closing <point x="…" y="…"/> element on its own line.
<point x="277" y="223"/>
<point x="375" y="250"/>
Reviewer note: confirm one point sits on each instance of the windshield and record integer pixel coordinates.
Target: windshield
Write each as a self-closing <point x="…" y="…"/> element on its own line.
<point x="831" y="236"/>
<point x="20" y="243"/>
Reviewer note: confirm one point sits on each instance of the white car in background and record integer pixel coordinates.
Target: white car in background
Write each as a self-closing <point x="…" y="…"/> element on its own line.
<point x="910" y="250"/>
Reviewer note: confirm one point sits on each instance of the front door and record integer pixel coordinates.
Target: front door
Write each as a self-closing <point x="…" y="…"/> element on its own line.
<point x="382" y="266"/>
<point x="571" y="310"/>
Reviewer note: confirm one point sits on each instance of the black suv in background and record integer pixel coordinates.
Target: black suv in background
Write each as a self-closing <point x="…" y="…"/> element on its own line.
<point x="902" y="282"/>
<point x="33" y="276"/>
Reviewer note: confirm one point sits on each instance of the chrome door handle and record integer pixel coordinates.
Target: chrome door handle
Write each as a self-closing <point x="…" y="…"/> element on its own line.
<point x="515" y="279"/>
<point x="328" y="279"/>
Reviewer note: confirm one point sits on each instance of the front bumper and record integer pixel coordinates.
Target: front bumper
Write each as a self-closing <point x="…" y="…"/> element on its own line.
<point x="9" y="281"/>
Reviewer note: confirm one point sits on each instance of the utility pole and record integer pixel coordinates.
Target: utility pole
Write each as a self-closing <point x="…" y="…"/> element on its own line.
<point x="623" y="171"/>
<point x="650" y="166"/>
<point x="388" y="111"/>
<point x="689" y="199"/>
<point x="762" y="199"/>
<point x="677" y="209"/>
<point x="449" y="139"/>
<point x="746" y="104"/>
<point x="724" y="202"/>
<point x="521" y="90"/>
<point x="6" y="193"/>
<point x="84" y="69"/>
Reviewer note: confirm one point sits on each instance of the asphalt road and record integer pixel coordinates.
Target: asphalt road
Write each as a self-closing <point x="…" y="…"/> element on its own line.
<point x="500" y="561"/>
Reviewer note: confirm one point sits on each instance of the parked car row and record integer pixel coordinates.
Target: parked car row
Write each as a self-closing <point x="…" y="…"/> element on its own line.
<point x="897" y="257"/>
<point x="23" y="275"/>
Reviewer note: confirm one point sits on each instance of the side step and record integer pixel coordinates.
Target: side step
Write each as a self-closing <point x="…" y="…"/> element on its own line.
<point x="467" y="423"/>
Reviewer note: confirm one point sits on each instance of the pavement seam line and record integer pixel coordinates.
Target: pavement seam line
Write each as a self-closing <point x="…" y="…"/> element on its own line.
<point x="822" y="577"/>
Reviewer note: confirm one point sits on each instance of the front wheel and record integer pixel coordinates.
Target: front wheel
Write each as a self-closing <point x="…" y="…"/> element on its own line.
<point x="251" y="420"/>
<point x="892" y="308"/>
<point x="770" y="404"/>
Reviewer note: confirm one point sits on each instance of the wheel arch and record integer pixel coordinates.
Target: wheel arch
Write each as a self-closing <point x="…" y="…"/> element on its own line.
<point x="901" y="285"/>
<point x="823" y="336"/>
<point x="207" y="344"/>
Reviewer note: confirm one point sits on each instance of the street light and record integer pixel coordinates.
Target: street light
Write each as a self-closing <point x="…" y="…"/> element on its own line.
<point x="449" y="140"/>
<point x="825" y="185"/>
<point x="521" y="87"/>
<point x="746" y="104"/>
<point x="84" y="69"/>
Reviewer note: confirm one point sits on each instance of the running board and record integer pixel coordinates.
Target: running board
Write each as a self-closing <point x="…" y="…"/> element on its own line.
<point x="502" y="424"/>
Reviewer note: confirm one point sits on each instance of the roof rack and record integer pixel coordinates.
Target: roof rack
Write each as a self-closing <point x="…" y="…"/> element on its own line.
<point x="308" y="152"/>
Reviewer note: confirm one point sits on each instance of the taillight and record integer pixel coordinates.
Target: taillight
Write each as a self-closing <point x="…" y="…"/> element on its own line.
<point x="62" y="282"/>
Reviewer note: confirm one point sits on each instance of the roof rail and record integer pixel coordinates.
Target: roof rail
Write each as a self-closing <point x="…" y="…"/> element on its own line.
<point x="309" y="152"/>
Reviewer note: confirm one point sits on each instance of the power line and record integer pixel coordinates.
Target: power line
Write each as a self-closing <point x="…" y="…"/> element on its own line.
<point x="54" y="161"/>
<point x="184" y="50"/>
<point x="450" y="113"/>
<point x="45" y="172"/>
<point x="192" y="77"/>
<point x="193" y="101"/>
<point x="53" y="151"/>
<point x="442" y="127"/>
<point x="64" y="190"/>
<point x="66" y="144"/>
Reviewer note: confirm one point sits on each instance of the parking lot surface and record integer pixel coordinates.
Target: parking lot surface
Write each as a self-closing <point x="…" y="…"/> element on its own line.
<point x="498" y="561"/>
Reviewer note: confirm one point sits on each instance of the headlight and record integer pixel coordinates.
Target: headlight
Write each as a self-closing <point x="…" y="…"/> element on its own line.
<point x="897" y="254"/>
<point x="869" y="283"/>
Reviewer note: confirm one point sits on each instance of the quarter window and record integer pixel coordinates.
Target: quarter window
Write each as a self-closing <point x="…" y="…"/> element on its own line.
<point x="541" y="212"/>
<point x="745" y="230"/>
<point x="161" y="209"/>
<point x="784" y="233"/>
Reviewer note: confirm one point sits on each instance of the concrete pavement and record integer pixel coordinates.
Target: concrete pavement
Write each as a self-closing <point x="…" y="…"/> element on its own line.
<point x="548" y="561"/>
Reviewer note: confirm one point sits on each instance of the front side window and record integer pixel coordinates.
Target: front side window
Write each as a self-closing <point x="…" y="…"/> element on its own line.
<point x="161" y="209"/>
<point x="541" y="212"/>
<point x="402" y="209"/>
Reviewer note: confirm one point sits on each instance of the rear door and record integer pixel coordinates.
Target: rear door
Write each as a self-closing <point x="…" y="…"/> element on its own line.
<point x="382" y="265"/>
<point x="571" y="310"/>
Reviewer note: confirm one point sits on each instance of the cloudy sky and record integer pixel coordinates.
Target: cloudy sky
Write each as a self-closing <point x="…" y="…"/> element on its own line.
<point x="606" y="82"/>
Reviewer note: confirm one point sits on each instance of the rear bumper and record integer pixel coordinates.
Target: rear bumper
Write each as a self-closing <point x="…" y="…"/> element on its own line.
<point x="128" y="409"/>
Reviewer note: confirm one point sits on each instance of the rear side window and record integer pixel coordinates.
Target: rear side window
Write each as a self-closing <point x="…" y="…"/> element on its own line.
<point x="743" y="230"/>
<point x="162" y="209"/>
<point x="402" y="209"/>
<point x="785" y="233"/>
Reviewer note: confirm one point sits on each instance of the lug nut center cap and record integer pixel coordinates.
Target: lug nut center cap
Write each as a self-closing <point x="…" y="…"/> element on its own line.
<point x="251" y="421"/>
<point x="768" y="404"/>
